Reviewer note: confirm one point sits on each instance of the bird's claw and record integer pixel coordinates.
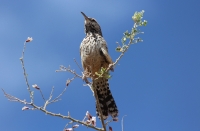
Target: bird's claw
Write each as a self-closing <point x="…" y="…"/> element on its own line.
<point x="84" y="78"/>
<point x="111" y="67"/>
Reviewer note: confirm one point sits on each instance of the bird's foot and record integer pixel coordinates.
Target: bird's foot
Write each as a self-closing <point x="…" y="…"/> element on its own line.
<point x="111" y="67"/>
<point x="84" y="78"/>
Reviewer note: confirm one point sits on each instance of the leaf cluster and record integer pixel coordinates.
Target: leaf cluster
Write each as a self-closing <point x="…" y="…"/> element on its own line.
<point x="137" y="18"/>
<point x="103" y="73"/>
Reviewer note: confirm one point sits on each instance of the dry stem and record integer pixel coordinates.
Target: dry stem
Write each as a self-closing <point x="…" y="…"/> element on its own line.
<point x="12" y="98"/>
<point x="24" y="72"/>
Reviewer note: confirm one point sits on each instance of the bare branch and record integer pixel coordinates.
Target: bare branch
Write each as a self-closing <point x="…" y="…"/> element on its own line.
<point x="108" y="122"/>
<point x="67" y="83"/>
<point x="89" y="84"/>
<point x="51" y="94"/>
<point x="15" y="99"/>
<point x="78" y="64"/>
<point x="124" y="50"/>
<point x="12" y="98"/>
<point x="42" y="95"/>
<point x="62" y="68"/>
<point x="24" y="72"/>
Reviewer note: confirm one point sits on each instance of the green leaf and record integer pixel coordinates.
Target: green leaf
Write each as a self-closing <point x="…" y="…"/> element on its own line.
<point x="118" y="49"/>
<point x="124" y="39"/>
<point x="138" y="16"/>
<point x="102" y="69"/>
<point x="127" y="35"/>
<point x="134" y="30"/>
<point x="144" y="23"/>
<point x="108" y="76"/>
<point x="126" y="32"/>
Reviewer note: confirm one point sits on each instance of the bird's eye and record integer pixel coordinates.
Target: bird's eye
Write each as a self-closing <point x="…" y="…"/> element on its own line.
<point x="92" y="26"/>
<point x="93" y="20"/>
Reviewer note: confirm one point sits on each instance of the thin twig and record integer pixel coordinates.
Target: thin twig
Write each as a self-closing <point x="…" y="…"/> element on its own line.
<point x="77" y="64"/>
<point x="57" y="98"/>
<point x="123" y="122"/>
<point x="48" y="112"/>
<point x="24" y="71"/>
<point x="122" y="54"/>
<point x="51" y="94"/>
<point x="62" y="68"/>
<point x="108" y="122"/>
<point x="47" y="101"/>
<point x="118" y="44"/>
<point x="42" y="95"/>
<point x="90" y="87"/>
<point x="12" y="98"/>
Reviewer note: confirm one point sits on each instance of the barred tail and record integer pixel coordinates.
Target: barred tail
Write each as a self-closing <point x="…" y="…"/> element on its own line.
<point x="106" y="100"/>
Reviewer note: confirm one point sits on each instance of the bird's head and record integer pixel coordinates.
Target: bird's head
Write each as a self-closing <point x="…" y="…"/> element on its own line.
<point x="91" y="25"/>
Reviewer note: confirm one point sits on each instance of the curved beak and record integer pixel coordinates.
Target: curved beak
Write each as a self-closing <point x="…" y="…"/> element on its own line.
<point x="86" y="18"/>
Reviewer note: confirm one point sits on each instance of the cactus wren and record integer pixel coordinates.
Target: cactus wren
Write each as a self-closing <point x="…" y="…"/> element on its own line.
<point x="94" y="55"/>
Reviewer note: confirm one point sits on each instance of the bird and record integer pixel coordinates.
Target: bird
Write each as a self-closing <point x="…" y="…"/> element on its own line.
<point x="94" y="56"/>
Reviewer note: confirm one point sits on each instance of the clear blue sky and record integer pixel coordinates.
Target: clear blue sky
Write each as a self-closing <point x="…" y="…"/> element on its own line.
<point x="156" y="84"/>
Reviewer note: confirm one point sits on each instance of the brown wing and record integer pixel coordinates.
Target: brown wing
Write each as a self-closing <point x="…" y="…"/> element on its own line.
<point x="104" y="50"/>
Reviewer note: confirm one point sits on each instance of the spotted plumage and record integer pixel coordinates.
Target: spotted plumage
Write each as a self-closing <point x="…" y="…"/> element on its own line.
<point x="94" y="55"/>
